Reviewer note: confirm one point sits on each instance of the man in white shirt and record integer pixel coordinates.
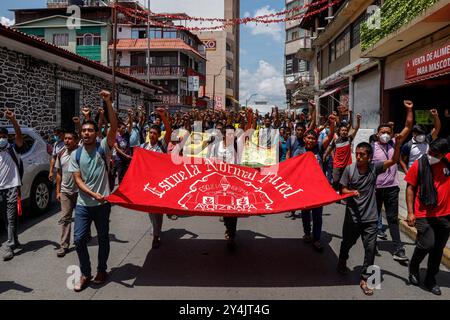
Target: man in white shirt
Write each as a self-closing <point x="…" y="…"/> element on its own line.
<point x="10" y="182"/>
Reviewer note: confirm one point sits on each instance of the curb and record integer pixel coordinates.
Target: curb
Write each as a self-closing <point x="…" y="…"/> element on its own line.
<point x="411" y="232"/>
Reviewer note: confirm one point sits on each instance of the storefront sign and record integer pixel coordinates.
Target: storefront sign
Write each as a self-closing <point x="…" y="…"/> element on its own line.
<point x="429" y="65"/>
<point x="193" y="83"/>
<point x="210" y="45"/>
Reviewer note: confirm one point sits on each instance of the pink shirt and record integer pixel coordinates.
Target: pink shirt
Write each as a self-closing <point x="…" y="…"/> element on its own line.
<point x="383" y="152"/>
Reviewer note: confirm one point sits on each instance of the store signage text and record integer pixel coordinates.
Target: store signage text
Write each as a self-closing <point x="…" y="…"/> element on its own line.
<point x="429" y="65"/>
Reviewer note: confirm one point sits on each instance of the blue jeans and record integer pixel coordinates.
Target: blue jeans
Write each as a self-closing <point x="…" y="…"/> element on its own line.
<point x="83" y="219"/>
<point x="317" y="222"/>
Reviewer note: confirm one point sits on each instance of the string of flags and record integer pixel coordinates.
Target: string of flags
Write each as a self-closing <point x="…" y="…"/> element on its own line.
<point x="143" y="16"/>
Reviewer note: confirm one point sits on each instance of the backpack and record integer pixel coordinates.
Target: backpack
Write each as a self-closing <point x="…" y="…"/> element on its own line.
<point x="17" y="161"/>
<point x="99" y="150"/>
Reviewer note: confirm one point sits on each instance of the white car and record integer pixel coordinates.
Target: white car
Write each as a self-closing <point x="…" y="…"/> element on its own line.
<point x="36" y="190"/>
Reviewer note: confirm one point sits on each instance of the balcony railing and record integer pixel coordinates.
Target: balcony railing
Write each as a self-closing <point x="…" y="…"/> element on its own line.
<point x="170" y="99"/>
<point x="162" y="71"/>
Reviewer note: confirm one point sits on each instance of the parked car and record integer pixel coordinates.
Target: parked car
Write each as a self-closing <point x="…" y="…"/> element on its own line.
<point x="36" y="189"/>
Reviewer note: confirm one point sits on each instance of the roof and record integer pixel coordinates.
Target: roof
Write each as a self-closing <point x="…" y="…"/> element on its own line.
<point x="40" y="44"/>
<point x="155" y="44"/>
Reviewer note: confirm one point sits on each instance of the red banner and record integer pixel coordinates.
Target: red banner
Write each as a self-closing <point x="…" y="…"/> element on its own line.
<point x="429" y="65"/>
<point x="154" y="183"/>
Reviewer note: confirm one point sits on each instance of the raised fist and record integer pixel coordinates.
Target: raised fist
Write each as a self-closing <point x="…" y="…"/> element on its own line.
<point x="106" y="95"/>
<point x="434" y="112"/>
<point x="408" y="104"/>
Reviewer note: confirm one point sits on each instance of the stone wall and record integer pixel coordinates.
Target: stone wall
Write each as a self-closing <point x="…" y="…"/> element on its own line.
<point x="30" y="86"/>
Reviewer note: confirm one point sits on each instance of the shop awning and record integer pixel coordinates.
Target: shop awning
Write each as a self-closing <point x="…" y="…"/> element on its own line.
<point x="333" y="91"/>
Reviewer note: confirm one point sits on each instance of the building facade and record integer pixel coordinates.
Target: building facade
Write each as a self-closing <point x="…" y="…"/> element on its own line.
<point x="296" y="70"/>
<point x="222" y="54"/>
<point x="46" y="86"/>
<point x="88" y="38"/>
<point x="367" y="56"/>
<point x="177" y="59"/>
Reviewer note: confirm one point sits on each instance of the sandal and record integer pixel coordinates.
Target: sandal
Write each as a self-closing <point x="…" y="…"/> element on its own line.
<point x="366" y="290"/>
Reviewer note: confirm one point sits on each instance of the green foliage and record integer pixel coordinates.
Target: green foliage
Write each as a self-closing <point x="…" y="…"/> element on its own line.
<point x="394" y="14"/>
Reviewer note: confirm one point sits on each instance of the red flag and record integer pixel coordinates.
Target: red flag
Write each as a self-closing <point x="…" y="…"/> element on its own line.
<point x="155" y="183"/>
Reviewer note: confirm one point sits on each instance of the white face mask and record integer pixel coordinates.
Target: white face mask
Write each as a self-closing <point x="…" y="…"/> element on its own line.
<point x="420" y="138"/>
<point x="432" y="160"/>
<point x="3" y="143"/>
<point x="384" y="138"/>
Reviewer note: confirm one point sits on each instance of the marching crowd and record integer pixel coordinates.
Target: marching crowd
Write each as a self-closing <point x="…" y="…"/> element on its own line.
<point x="87" y="161"/>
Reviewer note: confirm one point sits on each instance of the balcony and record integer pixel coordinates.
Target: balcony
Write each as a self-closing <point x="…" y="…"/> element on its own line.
<point x="413" y="27"/>
<point x="230" y="74"/>
<point x="230" y="92"/>
<point x="169" y="99"/>
<point x="173" y="99"/>
<point x="155" y="71"/>
<point x="292" y="47"/>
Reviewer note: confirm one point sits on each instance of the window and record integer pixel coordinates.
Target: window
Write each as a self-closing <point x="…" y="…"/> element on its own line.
<point x="61" y="40"/>
<point x="332" y="52"/>
<point x="139" y="33"/>
<point x="342" y="43"/>
<point x="28" y="141"/>
<point x="356" y="29"/>
<point x="228" y="47"/>
<point x="289" y="64"/>
<point x="295" y="34"/>
<point x="303" y="66"/>
<point x="292" y="5"/>
<point x="229" y="66"/>
<point x="170" y="34"/>
<point x="89" y="39"/>
<point x="229" y="84"/>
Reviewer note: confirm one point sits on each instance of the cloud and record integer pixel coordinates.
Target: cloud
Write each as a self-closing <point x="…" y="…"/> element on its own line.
<point x="6" y="22"/>
<point x="267" y="81"/>
<point x="274" y="30"/>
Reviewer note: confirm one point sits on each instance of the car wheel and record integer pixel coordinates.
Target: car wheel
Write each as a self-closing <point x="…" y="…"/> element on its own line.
<point x="41" y="192"/>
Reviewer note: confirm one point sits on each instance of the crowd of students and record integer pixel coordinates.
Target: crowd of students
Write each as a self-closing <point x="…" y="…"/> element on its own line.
<point x="89" y="160"/>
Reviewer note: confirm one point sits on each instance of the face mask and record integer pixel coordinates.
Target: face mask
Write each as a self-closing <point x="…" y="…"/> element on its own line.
<point x="433" y="160"/>
<point x="420" y="138"/>
<point x="3" y="143"/>
<point x="384" y="138"/>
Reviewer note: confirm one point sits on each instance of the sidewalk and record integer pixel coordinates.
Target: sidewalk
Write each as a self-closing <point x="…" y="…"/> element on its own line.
<point x="411" y="232"/>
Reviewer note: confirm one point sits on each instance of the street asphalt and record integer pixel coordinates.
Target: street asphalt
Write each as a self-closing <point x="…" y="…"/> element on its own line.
<point x="271" y="262"/>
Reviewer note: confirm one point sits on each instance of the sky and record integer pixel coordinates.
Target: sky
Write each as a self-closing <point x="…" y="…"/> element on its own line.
<point x="261" y="50"/>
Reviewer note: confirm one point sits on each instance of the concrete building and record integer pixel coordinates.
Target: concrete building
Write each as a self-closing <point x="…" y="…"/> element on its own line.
<point x="296" y="70"/>
<point x="376" y="68"/>
<point x="176" y="57"/>
<point x="46" y="86"/>
<point x="51" y="24"/>
<point x="339" y="72"/>
<point x="222" y="54"/>
<point x="415" y="58"/>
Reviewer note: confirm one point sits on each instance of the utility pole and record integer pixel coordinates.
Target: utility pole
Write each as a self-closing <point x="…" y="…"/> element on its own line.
<point x="114" y="91"/>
